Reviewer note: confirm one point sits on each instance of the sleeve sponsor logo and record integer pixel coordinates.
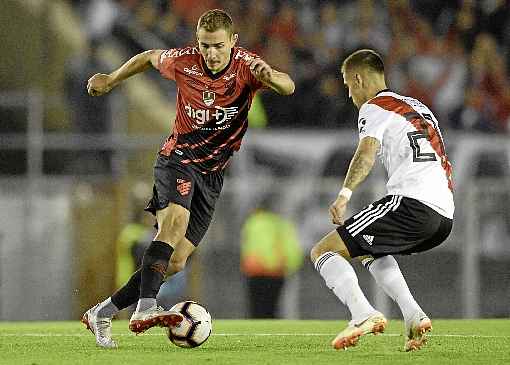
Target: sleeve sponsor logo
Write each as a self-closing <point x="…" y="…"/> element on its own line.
<point x="243" y="55"/>
<point x="178" y="52"/>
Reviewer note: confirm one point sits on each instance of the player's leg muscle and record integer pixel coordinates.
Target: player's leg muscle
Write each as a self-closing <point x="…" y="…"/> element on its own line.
<point x="182" y="251"/>
<point x="172" y="224"/>
<point x="332" y="242"/>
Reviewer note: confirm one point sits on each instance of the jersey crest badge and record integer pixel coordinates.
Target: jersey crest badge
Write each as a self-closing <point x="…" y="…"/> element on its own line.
<point x="183" y="187"/>
<point x="208" y="97"/>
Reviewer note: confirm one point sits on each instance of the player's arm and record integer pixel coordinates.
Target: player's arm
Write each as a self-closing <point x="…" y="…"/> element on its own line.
<point x="276" y="80"/>
<point x="359" y="168"/>
<point x="362" y="162"/>
<point x="100" y="84"/>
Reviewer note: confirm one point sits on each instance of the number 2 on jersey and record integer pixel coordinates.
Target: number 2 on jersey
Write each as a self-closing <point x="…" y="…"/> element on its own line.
<point x="423" y="132"/>
<point x="431" y="133"/>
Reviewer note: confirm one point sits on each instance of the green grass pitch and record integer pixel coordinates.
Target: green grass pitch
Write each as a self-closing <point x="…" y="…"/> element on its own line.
<point x="249" y="342"/>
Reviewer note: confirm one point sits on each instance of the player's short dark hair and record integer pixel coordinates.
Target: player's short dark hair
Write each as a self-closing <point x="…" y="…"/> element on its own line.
<point x="364" y="58"/>
<point x="215" y="19"/>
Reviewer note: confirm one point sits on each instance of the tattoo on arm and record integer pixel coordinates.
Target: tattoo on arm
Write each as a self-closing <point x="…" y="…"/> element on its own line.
<point x="361" y="163"/>
<point x="358" y="171"/>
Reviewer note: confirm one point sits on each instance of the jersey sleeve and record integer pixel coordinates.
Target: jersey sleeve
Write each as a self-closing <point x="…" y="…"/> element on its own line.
<point x="246" y="74"/>
<point x="252" y="80"/>
<point x="372" y="122"/>
<point x="166" y="64"/>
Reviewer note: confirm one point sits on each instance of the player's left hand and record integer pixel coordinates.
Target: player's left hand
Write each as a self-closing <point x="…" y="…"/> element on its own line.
<point x="260" y="69"/>
<point x="337" y="210"/>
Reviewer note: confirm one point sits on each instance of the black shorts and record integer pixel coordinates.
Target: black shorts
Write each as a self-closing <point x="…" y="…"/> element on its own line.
<point x="394" y="225"/>
<point x="185" y="186"/>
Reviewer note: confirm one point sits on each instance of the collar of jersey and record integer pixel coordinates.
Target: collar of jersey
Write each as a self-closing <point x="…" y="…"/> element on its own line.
<point x="376" y="95"/>
<point x="219" y="74"/>
<point x="382" y="91"/>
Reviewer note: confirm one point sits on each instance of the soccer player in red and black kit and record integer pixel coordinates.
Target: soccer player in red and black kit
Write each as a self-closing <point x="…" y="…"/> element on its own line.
<point x="216" y="84"/>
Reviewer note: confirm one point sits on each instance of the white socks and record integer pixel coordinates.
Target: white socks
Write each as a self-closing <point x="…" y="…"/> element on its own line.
<point x="387" y="274"/>
<point x="107" y="309"/>
<point x="145" y="303"/>
<point x="342" y="280"/>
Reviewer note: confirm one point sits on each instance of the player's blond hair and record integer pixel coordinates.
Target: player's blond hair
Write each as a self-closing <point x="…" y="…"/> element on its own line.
<point x="215" y="19"/>
<point x="365" y="59"/>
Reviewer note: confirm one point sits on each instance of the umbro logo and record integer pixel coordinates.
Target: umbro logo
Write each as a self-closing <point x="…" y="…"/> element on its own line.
<point x="194" y="70"/>
<point x="183" y="187"/>
<point x="231" y="76"/>
<point x="368" y="238"/>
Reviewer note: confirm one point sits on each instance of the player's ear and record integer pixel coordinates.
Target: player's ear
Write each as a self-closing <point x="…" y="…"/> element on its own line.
<point x="358" y="79"/>
<point x="235" y="38"/>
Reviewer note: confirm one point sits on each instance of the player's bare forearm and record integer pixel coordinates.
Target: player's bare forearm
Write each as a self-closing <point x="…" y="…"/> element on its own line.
<point x="358" y="170"/>
<point x="362" y="162"/>
<point x="100" y="84"/>
<point x="276" y="80"/>
<point x="281" y="83"/>
<point x="137" y="64"/>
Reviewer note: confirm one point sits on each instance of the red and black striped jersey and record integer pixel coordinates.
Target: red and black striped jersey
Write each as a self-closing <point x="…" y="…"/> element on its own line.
<point x="212" y="109"/>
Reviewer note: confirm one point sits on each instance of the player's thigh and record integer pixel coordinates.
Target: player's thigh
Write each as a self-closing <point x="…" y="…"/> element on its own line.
<point x="173" y="183"/>
<point x="207" y="192"/>
<point x="332" y="242"/>
<point x="392" y="225"/>
<point x="173" y="191"/>
<point x="172" y="224"/>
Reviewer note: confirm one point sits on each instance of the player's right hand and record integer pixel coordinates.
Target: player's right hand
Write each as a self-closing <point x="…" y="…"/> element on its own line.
<point x="337" y="210"/>
<point x="99" y="84"/>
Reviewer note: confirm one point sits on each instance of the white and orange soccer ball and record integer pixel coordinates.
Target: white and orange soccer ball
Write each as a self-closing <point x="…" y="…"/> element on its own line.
<point x="195" y="328"/>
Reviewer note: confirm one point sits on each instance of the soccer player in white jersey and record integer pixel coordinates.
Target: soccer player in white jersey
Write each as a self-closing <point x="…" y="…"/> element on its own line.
<point x="415" y="215"/>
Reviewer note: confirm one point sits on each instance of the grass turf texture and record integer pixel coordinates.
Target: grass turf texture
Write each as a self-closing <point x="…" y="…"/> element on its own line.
<point x="256" y="342"/>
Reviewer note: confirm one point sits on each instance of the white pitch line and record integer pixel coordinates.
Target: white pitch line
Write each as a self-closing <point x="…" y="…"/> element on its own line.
<point x="238" y="335"/>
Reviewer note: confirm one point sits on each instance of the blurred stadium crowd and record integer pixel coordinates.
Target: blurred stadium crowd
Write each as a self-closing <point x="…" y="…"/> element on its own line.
<point x="453" y="55"/>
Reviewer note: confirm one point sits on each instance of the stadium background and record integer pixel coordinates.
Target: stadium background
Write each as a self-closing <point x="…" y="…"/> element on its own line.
<point x="74" y="171"/>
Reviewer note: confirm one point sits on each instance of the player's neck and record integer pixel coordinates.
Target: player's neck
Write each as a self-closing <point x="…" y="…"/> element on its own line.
<point x="375" y="89"/>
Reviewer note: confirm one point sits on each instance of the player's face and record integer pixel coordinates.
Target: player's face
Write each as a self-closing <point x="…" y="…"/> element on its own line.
<point x="353" y="83"/>
<point x="215" y="47"/>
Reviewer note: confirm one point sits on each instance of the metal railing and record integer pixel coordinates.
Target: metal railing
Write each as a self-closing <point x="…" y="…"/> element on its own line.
<point x="304" y="194"/>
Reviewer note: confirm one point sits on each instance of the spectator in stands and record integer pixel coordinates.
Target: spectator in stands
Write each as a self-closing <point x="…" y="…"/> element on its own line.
<point x="284" y="25"/>
<point x="489" y="76"/>
<point x="434" y="53"/>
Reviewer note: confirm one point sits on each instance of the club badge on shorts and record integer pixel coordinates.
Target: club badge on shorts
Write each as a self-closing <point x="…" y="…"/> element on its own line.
<point x="183" y="187"/>
<point x="208" y="97"/>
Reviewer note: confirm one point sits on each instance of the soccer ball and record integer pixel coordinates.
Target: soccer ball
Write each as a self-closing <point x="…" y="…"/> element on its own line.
<point x="195" y="328"/>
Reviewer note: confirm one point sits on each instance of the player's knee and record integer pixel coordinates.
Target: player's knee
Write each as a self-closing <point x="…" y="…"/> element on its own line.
<point x="316" y="252"/>
<point x="176" y="265"/>
<point x="178" y="219"/>
<point x="172" y="224"/>
<point x="156" y="257"/>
